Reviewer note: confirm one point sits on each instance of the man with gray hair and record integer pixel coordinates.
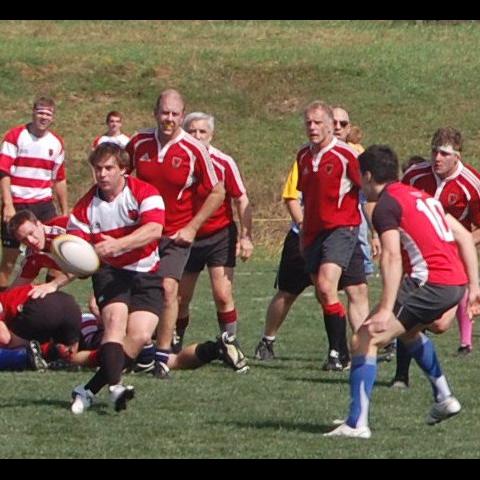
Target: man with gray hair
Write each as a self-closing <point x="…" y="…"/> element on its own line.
<point x="218" y="241"/>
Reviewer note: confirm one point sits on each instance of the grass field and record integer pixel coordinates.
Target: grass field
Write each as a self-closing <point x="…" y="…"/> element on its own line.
<point x="278" y="410"/>
<point x="399" y="80"/>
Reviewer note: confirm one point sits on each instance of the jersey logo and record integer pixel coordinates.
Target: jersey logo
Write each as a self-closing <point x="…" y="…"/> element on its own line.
<point x="50" y="152"/>
<point x="144" y="158"/>
<point x="133" y="214"/>
<point x="452" y="198"/>
<point x="305" y="171"/>
<point x="176" y="162"/>
<point x="328" y="168"/>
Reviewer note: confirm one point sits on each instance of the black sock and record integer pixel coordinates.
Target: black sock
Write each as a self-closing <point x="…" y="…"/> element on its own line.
<point x="403" y="362"/>
<point x="207" y="351"/>
<point x="335" y="326"/>
<point x="112" y="361"/>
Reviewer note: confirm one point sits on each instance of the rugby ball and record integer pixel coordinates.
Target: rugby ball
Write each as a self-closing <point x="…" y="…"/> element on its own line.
<point x="74" y="255"/>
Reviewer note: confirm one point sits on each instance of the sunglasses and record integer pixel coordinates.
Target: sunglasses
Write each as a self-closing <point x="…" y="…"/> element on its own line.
<point x="343" y="123"/>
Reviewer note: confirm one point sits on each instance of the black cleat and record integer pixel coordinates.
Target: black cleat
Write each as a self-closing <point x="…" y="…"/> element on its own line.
<point x="161" y="371"/>
<point x="332" y="363"/>
<point x="35" y="360"/>
<point x="177" y="342"/>
<point x="264" y="350"/>
<point x="388" y="353"/>
<point x="464" y="351"/>
<point x="120" y="395"/>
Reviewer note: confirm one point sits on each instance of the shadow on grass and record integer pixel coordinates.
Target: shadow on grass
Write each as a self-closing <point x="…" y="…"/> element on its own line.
<point x="61" y="404"/>
<point x="280" y="425"/>
<point x="332" y="381"/>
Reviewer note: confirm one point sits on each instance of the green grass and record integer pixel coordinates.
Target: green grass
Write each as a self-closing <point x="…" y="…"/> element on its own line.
<point x="278" y="410"/>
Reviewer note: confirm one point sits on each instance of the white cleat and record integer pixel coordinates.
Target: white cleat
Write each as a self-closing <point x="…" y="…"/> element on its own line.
<point x="345" y="431"/>
<point x="442" y="410"/>
<point x="82" y="400"/>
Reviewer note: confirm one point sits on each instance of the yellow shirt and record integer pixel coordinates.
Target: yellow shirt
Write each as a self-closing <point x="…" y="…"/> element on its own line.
<point x="290" y="187"/>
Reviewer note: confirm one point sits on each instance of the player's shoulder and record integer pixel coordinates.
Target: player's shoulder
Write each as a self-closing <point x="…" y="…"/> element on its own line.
<point x="221" y="156"/>
<point x="55" y="137"/>
<point x="345" y="149"/>
<point x="13" y="133"/>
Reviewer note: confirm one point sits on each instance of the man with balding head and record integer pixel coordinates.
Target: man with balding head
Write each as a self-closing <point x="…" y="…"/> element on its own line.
<point x="177" y="164"/>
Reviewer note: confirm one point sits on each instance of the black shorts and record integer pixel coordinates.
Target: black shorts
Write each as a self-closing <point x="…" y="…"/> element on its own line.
<point x="354" y="274"/>
<point x="331" y="246"/>
<point x="173" y="258"/>
<point x="423" y="304"/>
<point x="217" y="250"/>
<point x="291" y="276"/>
<point x="56" y="317"/>
<point x="43" y="211"/>
<point x="140" y="291"/>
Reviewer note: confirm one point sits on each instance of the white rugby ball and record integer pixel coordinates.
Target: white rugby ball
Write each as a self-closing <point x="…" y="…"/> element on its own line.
<point x="75" y="255"/>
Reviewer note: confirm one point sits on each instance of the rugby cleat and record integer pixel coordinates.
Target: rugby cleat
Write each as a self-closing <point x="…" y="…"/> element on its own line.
<point x="231" y="354"/>
<point x="82" y="400"/>
<point x="344" y="430"/>
<point x="442" y="410"/>
<point x="120" y="395"/>
<point x="35" y="360"/>
<point x="264" y="350"/>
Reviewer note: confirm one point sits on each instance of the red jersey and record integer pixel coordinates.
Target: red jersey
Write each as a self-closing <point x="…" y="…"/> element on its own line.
<point x="429" y="250"/>
<point x="35" y="260"/>
<point x="459" y="193"/>
<point x="176" y="169"/>
<point x="12" y="300"/>
<point x="330" y="182"/>
<point x="32" y="163"/>
<point x="226" y="170"/>
<point x="137" y="204"/>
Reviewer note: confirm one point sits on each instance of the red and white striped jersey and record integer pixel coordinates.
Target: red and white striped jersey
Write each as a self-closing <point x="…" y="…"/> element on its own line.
<point x="459" y="193"/>
<point x="177" y="169"/>
<point x="32" y="163"/>
<point x="12" y="300"/>
<point x="35" y="260"/>
<point x="120" y="140"/>
<point x="330" y="182"/>
<point x="138" y="203"/>
<point x="91" y="331"/>
<point x="226" y="170"/>
<point x="429" y="250"/>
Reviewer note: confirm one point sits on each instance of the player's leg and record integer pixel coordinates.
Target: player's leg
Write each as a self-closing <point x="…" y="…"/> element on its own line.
<point x="291" y="281"/>
<point x="186" y="291"/>
<point x="173" y="260"/>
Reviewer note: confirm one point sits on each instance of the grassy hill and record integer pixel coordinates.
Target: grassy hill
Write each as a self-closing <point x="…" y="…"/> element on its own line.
<point x="400" y="81"/>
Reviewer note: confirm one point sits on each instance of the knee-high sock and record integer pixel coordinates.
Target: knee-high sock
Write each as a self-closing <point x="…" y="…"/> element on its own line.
<point x="362" y="377"/>
<point x="181" y="325"/>
<point x="13" y="358"/>
<point x="227" y="321"/>
<point x="403" y="361"/>
<point x="336" y="327"/>
<point x="423" y="351"/>
<point x="465" y="325"/>
<point x="112" y="361"/>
